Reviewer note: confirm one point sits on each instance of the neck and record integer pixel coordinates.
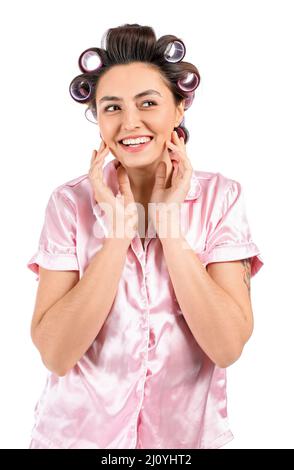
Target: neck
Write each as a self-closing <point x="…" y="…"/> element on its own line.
<point x="142" y="179"/>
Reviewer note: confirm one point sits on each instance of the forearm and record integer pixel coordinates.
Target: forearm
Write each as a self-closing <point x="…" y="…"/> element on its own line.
<point x="215" y="320"/>
<point x="70" y="326"/>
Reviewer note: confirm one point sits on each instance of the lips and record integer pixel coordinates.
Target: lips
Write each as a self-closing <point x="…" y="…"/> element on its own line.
<point x="120" y="141"/>
<point x="137" y="148"/>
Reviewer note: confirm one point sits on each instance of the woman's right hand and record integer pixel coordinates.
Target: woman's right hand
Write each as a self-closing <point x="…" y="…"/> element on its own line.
<point x="120" y="209"/>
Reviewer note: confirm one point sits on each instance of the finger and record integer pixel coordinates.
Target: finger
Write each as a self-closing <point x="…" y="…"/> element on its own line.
<point x="179" y="139"/>
<point x="160" y="176"/>
<point x="96" y="162"/>
<point x="178" y="152"/>
<point x="186" y="162"/>
<point x="99" y="163"/>
<point x="172" y="146"/>
<point x="123" y="181"/>
<point x="175" y="173"/>
<point x="101" y="154"/>
<point x="94" y="153"/>
<point x="102" y="144"/>
<point x="96" y="174"/>
<point x="171" y="143"/>
<point x="181" y="166"/>
<point x="174" y="157"/>
<point x="175" y="134"/>
<point x="176" y="167"/>
<point x="96" y="167"/>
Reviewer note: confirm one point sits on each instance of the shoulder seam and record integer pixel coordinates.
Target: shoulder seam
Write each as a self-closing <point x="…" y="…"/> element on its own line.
<point x="229" y="185"/>
<point x="58" y="191"/>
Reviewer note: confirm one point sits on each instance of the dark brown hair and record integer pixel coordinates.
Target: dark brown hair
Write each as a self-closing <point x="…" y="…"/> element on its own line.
<point x="131" y="43"/>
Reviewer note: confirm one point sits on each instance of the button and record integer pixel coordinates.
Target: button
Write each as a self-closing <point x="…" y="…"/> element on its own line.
<point x="151" y="338"/>
<point x="149" y="372"/>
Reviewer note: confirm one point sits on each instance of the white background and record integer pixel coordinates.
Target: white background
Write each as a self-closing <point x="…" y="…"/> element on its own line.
<point x="240" y="124"/>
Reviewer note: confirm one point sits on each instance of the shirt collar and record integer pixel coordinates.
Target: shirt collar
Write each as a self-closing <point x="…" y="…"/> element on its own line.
<point x="110" y="178"/>
<point x="195" y="187"/>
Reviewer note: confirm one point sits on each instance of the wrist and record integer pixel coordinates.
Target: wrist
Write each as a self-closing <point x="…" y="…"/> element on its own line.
<point x="114" y="242"/>
<point x="167" y="222"/>
<point x="174" y="243"/>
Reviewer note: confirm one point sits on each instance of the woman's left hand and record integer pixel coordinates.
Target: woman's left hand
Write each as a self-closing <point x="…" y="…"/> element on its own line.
<point x="180" y="182"/>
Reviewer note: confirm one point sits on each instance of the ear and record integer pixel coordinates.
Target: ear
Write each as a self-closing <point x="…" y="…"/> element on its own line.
<point x="180" y="112"/>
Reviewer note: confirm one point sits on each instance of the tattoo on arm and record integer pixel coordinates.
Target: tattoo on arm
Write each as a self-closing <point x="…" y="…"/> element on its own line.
<point x="247" y="272"/>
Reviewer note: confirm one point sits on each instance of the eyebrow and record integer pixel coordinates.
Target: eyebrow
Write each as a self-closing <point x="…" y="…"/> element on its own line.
<point x="117" y="98"/>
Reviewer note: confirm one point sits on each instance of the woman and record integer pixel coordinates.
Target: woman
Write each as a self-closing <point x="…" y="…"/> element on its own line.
<point x="137" y="334"/>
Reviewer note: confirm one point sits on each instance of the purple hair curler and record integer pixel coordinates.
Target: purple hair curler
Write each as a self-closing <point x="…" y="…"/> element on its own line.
<point x="90" y="60"/>
<point x="189" y="83"/>
<point x="189" y="100"/>
<point x="175" y="51"/>
<point x="82" y="87"/>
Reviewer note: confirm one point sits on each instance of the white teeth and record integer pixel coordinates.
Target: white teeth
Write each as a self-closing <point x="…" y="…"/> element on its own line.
<point x="139" y="140"/>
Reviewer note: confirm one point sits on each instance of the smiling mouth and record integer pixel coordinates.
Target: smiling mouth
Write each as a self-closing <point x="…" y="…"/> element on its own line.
<point x="135" y="147"/>
<point x="127" y="145"/>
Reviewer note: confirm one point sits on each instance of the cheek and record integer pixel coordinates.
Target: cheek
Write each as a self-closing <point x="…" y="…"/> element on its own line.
<point x="107" y="132"/>
<point x="163" y="122"/>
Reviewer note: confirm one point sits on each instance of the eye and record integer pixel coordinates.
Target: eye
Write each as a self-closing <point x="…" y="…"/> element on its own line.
<point x="107" y="107"/>
<point x="110" y="106"/>
<point x="153" y="102"/>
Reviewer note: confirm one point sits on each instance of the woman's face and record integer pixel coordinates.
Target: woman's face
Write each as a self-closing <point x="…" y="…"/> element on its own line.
<point x="153" y="114"/>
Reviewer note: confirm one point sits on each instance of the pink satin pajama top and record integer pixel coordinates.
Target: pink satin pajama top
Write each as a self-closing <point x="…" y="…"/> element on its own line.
<point x="144" y="382"/>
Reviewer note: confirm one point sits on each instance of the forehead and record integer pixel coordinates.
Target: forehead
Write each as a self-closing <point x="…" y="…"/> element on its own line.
<point x="129" y="79"/>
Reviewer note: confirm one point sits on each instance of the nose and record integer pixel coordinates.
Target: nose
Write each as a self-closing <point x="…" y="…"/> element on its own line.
<point x="131" y="118"/>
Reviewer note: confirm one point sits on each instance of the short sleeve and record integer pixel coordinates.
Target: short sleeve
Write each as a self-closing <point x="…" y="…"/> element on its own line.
<point x="230" y="239"/>
<point x="57" y="243"/>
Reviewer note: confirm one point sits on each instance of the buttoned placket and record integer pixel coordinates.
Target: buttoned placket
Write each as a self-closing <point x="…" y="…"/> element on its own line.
<point x="141" y="254"/>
